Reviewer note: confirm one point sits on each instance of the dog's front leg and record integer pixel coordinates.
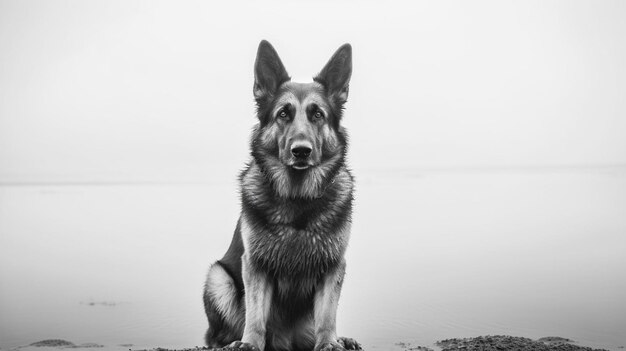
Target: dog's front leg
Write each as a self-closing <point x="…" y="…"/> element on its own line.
<point x="258" y="298"/>
<point x="325" y="310"/>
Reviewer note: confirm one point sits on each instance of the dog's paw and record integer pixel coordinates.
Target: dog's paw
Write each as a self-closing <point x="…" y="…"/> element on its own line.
<point x="243" y="346"/>
<point x="329" y="346"/>
<point x="349" y="343"/>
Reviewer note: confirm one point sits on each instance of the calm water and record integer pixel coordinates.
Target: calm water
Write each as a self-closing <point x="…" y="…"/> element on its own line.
<point x="433" y="255"/>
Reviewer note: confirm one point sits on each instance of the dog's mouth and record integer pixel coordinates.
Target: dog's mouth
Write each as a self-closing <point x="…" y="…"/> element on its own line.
<point x="301" y="165"/>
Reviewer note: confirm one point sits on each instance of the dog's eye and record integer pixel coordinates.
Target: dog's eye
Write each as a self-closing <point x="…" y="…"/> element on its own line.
<point x="282" y="114"/>
<point x="318" y="115"/>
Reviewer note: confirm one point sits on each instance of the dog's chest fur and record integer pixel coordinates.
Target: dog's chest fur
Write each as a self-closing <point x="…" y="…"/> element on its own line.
<point x="302" y="238"/>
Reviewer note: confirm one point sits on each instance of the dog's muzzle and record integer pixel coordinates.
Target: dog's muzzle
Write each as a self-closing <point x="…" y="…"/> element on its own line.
<point x="301" y="152"/>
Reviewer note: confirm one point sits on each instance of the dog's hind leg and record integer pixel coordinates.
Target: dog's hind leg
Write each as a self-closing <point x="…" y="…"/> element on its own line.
<point x="223" y="306"/>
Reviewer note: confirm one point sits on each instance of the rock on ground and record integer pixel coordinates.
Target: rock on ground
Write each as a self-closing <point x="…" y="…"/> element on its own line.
<point x="512" y="343"/>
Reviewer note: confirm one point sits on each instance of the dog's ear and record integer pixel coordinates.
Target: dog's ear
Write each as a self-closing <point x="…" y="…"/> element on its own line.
<point x="269" y="72"/>
<point x="335" y="76"/>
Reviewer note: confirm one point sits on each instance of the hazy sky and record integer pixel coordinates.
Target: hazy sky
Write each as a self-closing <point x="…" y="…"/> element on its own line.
<point x="118" y="90"/>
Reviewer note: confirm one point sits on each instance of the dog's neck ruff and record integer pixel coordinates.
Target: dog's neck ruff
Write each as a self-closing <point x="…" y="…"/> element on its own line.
<point x="321" y="193"/>
<point x="332" y="181"/>
<point x="316" y="227"/>
<point x="311" y="184"/>
<point x="262" y="187"/>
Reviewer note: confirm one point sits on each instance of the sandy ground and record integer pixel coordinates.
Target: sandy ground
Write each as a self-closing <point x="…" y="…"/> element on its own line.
<point x="481" y="343"/>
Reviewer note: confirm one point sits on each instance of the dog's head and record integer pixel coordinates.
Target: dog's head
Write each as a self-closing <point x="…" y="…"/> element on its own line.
<point x="299" y="141"/>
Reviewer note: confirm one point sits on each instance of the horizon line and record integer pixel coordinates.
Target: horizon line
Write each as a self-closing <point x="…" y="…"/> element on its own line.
<point x="426" y="169"/>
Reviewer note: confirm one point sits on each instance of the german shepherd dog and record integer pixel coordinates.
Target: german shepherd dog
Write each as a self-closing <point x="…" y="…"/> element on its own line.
<point x="278" y="285"/>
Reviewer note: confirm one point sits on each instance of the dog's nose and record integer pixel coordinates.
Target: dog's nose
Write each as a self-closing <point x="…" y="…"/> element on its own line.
<point x="301" y="150"/>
